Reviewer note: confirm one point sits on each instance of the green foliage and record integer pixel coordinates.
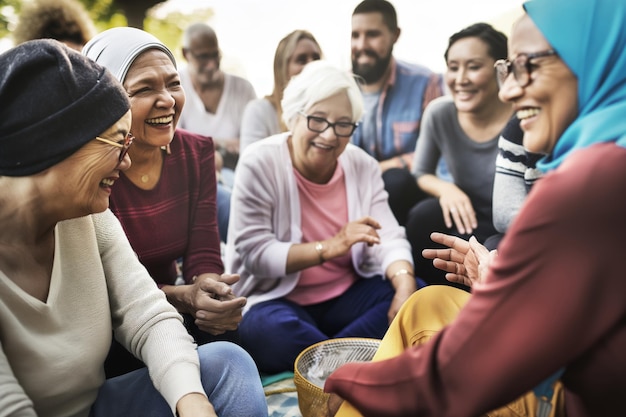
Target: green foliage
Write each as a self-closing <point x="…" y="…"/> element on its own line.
<point x="169" y="28"/>
<point x="9" y="10"/>
<point x="111" y="13"/>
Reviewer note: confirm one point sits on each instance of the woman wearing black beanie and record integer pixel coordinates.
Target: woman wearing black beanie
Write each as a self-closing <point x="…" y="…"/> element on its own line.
<point x="68" y="276"/>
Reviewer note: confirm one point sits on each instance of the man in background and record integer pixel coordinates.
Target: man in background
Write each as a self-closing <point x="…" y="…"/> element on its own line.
<point x="395" y="94"/>
<point x="215" y="99"/>
<point x="214" y="107"/>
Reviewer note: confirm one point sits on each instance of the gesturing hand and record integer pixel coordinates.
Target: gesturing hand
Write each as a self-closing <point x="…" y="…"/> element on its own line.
<point x="465" y="262"/>
<point x="361" y="230"/>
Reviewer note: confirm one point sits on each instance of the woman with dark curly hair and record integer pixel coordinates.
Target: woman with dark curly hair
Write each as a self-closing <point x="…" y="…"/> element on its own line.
<point x="64" y="20"/>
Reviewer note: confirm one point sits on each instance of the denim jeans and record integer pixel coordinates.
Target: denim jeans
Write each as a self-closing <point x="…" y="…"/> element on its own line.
<point x="229" y="377"/>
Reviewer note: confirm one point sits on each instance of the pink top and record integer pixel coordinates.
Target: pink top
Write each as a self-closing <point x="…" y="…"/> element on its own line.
<point x="324" y="211"/>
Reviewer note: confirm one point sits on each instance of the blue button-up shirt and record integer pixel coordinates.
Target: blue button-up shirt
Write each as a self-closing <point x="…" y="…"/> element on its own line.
<point x="399" y="112"/>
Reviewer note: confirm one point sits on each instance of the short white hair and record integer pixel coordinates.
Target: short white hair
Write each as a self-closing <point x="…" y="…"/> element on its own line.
<point x="318" y="81"/>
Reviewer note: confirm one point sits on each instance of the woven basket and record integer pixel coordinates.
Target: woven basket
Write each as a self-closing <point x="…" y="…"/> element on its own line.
<point x="315" y="363"/>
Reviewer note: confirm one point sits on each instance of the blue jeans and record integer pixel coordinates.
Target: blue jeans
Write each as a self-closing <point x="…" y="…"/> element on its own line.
<point x="229" y="377"/>
<point x="276" y="331"/>
<point x="223" y="210"/>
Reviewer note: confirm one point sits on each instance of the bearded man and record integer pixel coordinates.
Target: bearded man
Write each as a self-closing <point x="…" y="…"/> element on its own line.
<point x="395" y="94"/>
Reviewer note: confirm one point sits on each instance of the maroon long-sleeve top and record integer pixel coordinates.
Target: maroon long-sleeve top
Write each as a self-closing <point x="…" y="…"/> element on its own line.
<point x="555" y="297"/>
<point x="178" y="218"/>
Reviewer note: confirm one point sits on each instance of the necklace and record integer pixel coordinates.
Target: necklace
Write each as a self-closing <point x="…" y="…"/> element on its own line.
<point x="145" y="178"/>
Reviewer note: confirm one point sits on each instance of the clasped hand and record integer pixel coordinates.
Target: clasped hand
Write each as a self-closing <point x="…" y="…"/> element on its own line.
<point x="213" y="303"/>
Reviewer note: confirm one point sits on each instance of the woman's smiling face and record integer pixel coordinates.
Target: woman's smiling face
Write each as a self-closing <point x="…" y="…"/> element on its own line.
<point x="549" y="103"/>
<point x="470" y="76"/>
<point x="156" y="98"/>
<point x="84" y="180"/>
<point x="314" y="154"/>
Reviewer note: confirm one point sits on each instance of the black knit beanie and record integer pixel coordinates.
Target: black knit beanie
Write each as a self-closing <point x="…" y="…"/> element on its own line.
<point x="53" y="100"/>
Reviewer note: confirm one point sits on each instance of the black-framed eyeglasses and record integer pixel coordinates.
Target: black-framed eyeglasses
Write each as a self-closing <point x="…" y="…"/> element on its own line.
<point x="521" y="67"/>
<point x="128" y="140"/>
<point x="319" y="124"/>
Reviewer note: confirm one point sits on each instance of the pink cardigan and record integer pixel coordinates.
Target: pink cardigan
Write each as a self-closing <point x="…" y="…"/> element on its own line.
<point x="265" y="220"/>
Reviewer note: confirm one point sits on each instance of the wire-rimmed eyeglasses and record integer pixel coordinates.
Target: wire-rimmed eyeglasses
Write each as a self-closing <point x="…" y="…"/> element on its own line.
<point x="521" y="67"/>
<point x="319" y="124"/>
<point x="206" y="56"/>
<point x="128" y="140"/>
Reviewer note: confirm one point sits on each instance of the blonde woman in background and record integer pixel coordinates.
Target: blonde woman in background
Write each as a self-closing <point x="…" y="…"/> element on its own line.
<point x="263" y="116"/>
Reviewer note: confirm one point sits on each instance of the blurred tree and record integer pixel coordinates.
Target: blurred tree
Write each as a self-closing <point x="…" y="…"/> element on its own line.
<point x="136" y="10"/>
<point x="169" y="27"/>
<point x="8" y="15"/>
<point x="144" y="14"/>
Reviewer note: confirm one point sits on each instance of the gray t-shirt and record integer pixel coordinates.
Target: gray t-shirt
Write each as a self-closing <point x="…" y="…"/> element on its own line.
<point x="471" y="164"/>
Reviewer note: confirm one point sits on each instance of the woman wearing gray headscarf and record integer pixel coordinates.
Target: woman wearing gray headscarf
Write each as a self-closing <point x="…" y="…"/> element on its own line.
<point x="166" y="201"/>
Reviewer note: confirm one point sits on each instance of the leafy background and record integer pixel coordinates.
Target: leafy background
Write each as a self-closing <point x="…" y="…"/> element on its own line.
<point x="110" y="13"/>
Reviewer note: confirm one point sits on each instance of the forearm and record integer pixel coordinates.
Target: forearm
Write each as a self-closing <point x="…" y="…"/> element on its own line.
<point x="306" y="255"/>
<point x="403" y="161"/>
<point x="194" y="404"/>
<point x="432" y="185"/>
<point x="401" y="276"/>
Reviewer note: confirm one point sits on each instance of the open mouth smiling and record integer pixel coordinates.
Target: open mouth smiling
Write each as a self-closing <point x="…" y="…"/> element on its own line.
<point x="527" y="113"/>
<point x="160" y="120"/>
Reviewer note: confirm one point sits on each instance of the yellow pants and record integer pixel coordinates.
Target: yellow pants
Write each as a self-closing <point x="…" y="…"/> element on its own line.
<point x="422" y="316"/>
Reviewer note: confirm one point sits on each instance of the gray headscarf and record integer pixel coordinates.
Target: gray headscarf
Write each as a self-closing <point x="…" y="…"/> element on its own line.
<point x="117" y="48"/>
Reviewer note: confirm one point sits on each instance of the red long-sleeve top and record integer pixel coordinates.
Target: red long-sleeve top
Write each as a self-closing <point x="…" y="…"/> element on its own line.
<point x="178" y="218"/>
<point x="555" y="297"/>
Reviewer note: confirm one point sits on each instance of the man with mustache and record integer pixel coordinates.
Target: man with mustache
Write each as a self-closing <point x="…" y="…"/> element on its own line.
<point x="217" y="98"/>
<point x="395" y="94"/>
<point x="214" y="107"/>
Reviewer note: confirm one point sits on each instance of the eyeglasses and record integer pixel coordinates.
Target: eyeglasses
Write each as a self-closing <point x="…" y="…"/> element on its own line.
<point x="205" y="57"/>
<point x="521" y="67"/>
<point x="128" y="140"/>
<point x="319" y="125"/>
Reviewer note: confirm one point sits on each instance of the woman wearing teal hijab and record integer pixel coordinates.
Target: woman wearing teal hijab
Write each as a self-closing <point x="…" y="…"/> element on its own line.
<point x="553" y="298"/>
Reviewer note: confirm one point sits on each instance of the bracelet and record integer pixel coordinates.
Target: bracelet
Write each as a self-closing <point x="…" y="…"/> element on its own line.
<point x="403" y="162"/>
<point x="319" y="248"/>
<point x="401" y="272"/>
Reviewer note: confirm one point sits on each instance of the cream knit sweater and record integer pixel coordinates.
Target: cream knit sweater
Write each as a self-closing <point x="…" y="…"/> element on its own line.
<point x="52" y="353"/>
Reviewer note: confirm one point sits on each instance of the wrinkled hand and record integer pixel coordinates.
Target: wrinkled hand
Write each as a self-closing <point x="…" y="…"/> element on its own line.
<point x="361" y="230"/>
<point x="457" y="207"/>
<point x="195" y="405"/>
<point x="219" y="162"/>
<point x="229" y="145"/>
<point x="403" y="292"/>
<point x="465" y="262"/>
<point x="332" y="405"/>
<point x="214" y="305"/>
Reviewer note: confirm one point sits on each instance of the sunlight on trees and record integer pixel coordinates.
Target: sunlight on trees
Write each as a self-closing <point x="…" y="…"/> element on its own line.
<point x="146" y="14"/>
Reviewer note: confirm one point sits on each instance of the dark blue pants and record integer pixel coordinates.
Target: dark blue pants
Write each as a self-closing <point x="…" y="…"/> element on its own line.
<point x="276" y="331"/>
<point x="403" y="192"/>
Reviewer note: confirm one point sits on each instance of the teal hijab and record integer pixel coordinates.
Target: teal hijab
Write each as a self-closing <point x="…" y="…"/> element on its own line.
<point x="590" y="37"/>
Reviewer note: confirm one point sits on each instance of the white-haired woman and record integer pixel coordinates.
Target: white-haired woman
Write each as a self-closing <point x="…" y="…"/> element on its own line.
<point x="317" y="247"/>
